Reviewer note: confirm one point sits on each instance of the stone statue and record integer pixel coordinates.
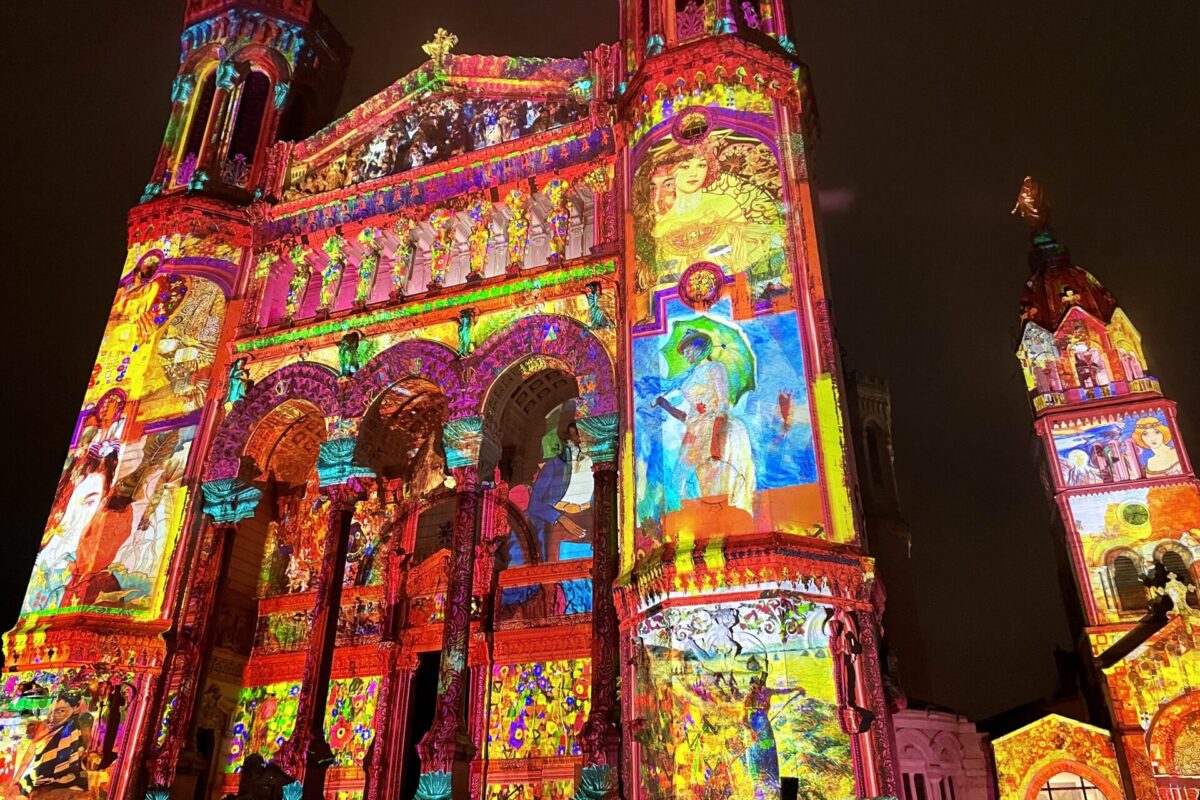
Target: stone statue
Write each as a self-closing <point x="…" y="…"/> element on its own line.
<point x="348" y="357"/>
<point x="597" y="319"/>
<point x="466" y="321"/>
<point x="239" y="380"/>
<point x="298" y="284"/>
<point x="1178" y="591"/>
<point x="439" y="48"/>
<point x="1031" y="205"/>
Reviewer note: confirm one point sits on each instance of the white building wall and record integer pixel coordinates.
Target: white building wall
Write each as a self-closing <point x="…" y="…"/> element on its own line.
<point x="942" y="757"/>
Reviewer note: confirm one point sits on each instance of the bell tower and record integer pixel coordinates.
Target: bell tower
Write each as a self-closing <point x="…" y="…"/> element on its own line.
<point x="1126" y="506"/>
<point x="252" y="72"/>
<point x="749" y="607"/>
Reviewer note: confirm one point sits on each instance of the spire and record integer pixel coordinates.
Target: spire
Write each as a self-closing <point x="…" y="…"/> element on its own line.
<point x="1055" y="285"/>
<point x="1076" y="344"/>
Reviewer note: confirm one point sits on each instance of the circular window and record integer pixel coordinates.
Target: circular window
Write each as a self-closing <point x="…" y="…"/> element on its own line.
<point x="691" y="125"/>
<point x="1135" y="514"/>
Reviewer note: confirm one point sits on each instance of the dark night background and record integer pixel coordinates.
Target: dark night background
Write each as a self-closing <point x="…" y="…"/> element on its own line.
<point x="932" y="112"/>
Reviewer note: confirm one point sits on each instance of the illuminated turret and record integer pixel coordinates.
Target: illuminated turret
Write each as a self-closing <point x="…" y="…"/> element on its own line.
<point x="251" y="73"/>
<point x="1127" y="510"/>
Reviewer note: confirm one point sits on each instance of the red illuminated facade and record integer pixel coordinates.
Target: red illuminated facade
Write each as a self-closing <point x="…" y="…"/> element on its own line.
<point x="486" y="441"/>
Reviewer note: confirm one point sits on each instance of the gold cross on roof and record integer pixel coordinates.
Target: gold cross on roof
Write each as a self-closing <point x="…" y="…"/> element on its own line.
<point x="439" y="49"/>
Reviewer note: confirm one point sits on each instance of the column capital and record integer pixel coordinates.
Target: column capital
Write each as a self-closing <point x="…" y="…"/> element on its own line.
<point x="228" y="501"/>
<point x="462" y="438"/>
<point x="600" y="436"/>
<point x="336" y="462"/>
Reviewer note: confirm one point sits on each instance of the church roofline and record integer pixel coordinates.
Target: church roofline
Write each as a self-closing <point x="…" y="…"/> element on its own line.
<point x="1045" y="719"/>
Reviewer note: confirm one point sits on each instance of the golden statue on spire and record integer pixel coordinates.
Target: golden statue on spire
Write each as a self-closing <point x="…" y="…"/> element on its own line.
<point x="439" y="49"/>
<point x="1032" y="206"/>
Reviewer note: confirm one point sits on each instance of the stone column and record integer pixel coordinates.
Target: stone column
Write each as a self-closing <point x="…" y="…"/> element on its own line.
<point x="226" y="502"/>
<point x="208" y="167"/>
<point x="600" y="738"/>
<point x="306" y="755"/>
<point x="254" y="290"/>
<point x="882" y="734"/>
<point x="481" y="672"/>
<point x="387" y="750"/>
<point x="391" y="715"/>
<point x="182" y="91"/>
<point x="446" y="749"/>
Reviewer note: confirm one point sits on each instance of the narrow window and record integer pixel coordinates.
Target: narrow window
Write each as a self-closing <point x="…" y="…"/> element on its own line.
<point x="197" y="127"/>
<point x="1130" y="591"/>
<point x="874" y="456"/>
<point x="252" y="108"/>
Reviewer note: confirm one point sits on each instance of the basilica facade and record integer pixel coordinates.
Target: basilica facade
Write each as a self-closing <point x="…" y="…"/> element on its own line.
<point x="490" y="441"/>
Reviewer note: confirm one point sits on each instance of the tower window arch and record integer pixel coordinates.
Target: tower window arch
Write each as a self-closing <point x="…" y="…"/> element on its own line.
<point x="1127" y="582"/>
<point x="875" y="455"/>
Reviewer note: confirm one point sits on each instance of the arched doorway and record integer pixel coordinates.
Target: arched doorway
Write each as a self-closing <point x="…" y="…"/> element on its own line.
<point x="250" y="683"/>
<point x="538" y="686"/>
<point x="532" y="443"/>
<point x="396" y="572"/>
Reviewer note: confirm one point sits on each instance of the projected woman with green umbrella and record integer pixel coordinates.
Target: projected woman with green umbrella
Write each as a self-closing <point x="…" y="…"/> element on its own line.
<point x="715" y="458"/>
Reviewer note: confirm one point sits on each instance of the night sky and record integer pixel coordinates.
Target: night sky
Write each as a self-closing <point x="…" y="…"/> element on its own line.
<point x="932" y="111"/>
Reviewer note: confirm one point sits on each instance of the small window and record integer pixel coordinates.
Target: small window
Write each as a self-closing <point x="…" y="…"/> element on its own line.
<point x="874" y="455"/>
<point x="1069" y="786"/>
<point x="1131" y="592"/>
<point x="908" y="789"/>
<point x="919" y="782"/>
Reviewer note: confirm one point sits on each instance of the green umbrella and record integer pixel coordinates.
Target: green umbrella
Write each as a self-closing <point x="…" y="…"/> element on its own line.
<point x="730" y="348"/>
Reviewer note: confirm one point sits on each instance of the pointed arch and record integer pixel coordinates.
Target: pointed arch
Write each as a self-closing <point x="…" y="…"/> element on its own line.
<point x="314" y="383"/>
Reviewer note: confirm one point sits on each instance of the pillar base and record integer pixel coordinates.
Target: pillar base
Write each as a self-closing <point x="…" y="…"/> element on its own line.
<point x="317" y="761"/>
<point x="436" y="786"/>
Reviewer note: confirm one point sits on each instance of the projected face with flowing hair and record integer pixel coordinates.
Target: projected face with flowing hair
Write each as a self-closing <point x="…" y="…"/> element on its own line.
<point x="715" y="199"/>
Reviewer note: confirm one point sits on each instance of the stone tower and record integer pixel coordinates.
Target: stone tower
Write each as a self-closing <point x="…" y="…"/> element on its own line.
<point x="745" y="592"/>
